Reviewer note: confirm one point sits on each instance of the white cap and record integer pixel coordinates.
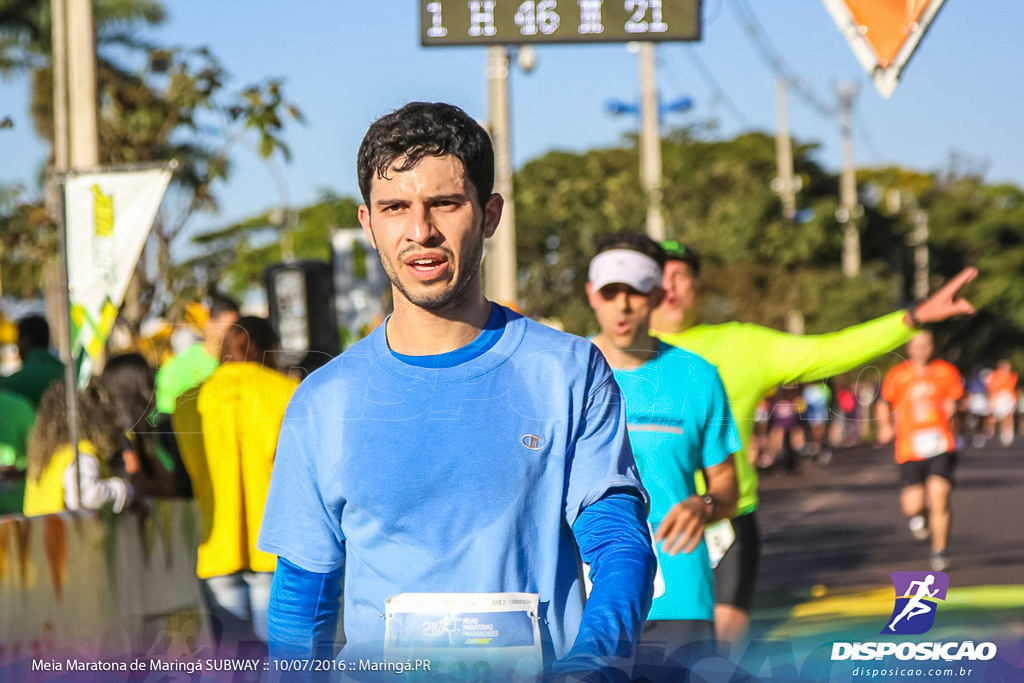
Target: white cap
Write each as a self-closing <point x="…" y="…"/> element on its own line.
<point x="627" y="267"/>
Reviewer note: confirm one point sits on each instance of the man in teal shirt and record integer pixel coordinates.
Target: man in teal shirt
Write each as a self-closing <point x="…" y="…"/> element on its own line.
<point x="751" y="360"/>
<point x="679" y="424"/>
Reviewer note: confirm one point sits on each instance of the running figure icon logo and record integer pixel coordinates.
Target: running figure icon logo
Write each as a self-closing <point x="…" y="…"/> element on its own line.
<point x="916" y="596"/>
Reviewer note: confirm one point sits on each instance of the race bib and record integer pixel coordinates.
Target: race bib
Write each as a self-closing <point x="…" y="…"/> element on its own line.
<point x="1003" y="404"/>
<point x="718" y="537"/>
<point x="927" y="443"/>
<point x="466" y="635"/>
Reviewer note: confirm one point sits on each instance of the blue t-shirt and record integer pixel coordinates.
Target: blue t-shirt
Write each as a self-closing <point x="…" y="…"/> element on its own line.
<point x="679" y="422"/>
<point x="461" y="474"/>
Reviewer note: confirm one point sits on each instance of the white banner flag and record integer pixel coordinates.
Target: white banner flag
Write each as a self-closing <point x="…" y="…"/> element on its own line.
<point x="108" y="216"/>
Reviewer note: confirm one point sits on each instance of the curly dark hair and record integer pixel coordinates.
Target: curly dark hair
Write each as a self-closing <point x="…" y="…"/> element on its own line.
<point x="129" y="381"/>
<point x="97" y="423"/>
<point x="422" y="129"/>
<point x="630" y="239"/>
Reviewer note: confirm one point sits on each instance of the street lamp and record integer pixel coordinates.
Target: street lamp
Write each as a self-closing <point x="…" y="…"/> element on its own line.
<point x="650" y="137"/>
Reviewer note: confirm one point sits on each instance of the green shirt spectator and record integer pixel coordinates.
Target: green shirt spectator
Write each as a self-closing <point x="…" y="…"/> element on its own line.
<point x="190" y="368"/>
<point x="39" y="367"/>
<point x="18" y="418"/>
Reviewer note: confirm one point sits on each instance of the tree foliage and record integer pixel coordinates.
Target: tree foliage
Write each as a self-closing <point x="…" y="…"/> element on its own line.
<point x="156" y="103"/>
<point x="235" y="257"/>
<point x="718" y="198"/>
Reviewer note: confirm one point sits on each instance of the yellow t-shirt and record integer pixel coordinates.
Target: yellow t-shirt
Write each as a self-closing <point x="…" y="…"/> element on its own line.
<point x="45" y="495"/>
<point x="227" y="432"/>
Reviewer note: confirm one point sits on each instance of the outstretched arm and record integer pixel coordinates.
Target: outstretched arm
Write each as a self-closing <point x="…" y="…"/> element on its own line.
<point x="813" y="357"/>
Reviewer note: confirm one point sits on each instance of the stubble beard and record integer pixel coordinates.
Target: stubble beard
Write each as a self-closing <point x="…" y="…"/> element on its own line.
<point x="453" y="294"/>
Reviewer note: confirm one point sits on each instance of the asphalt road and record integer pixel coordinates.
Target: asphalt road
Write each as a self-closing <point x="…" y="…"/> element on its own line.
<point x="833" y="533"/>
<point x="840" y="525"/>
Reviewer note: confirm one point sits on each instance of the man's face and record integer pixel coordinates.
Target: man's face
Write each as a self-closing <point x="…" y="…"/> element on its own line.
<point x="623" y="313"/>
<point x="428" y="228"/>
<point x="678" y="282"/>
<point x="921" y="348"/>
<point x="217" y="327"/>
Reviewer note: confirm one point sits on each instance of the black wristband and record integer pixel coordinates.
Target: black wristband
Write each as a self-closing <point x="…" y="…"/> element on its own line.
<point x="912" y="314"/>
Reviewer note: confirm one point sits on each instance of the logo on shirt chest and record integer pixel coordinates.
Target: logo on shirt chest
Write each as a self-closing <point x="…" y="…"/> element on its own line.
<point x="533" y="442"/>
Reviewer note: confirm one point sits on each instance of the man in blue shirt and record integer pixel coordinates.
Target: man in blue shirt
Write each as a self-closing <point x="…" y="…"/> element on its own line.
<point x="679" y="423"/>
<point x="460" y="448"/>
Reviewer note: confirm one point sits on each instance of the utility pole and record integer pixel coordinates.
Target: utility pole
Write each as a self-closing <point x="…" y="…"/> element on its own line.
<point x="650" y="142"/>
<point x="500" y="267"/>
<point x="53" y="272"/>
<point x="75" y="106"/>
<point x="75" y="139"/>
<point x="61" y="139"/>
<point x="785" y="183"/>
<point x="919" y="241"/>
<point x="81" y="76"/>
<point x="849" y="210"/>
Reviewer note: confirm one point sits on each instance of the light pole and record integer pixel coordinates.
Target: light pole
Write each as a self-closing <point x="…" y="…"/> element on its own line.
<point x="500" y="269"/>
<point x="650" y="112"/>
<point x="849" y="209"/>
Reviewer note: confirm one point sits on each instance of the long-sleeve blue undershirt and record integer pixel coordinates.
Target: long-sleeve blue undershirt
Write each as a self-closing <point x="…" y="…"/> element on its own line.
<point x="302" y="618"/>
<point x="615" y="541"/>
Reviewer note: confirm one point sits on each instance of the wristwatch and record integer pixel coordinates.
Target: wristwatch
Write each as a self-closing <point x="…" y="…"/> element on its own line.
<point x="708" y="499"/>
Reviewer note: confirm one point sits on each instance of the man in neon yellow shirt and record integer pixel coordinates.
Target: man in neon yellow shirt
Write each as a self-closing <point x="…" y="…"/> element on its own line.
<point x="753" y="359"/>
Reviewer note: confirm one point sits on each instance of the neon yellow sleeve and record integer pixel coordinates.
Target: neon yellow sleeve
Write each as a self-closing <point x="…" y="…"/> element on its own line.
<point x="817" y="356"/>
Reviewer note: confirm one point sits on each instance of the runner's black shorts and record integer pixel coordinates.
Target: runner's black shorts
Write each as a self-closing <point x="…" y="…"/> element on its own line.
<point x="669" y="649"/>
<point x="736" y="574"/>
<point x="916" y="471"/>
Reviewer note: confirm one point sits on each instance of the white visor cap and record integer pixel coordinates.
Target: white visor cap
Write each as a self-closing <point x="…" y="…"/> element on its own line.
<point x="625" y="266"/>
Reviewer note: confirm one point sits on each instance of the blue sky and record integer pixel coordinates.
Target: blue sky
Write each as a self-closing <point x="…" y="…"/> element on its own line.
<point x="345" y="62"/>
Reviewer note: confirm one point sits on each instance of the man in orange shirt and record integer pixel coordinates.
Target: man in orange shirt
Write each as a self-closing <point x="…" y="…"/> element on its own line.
<point x="1002" y="394"/>
<point x="921" y="394"/>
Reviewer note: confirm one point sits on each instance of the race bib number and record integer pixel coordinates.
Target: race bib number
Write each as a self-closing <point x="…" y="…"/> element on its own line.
<point x="927" y="443"/>
<point x="718" y="537"/>
<point x="460" y="633"/>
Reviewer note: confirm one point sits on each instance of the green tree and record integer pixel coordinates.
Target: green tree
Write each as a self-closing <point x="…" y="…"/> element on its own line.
<point x="972" y="223"/>
<point x="234" y="258"/>
<point x="717" y="197"/>
<point x="155" y="104"/>
<point x="27" y="240"/>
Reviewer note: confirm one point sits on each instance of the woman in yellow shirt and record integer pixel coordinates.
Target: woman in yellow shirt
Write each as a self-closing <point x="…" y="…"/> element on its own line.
<point x="54" y="482"/>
